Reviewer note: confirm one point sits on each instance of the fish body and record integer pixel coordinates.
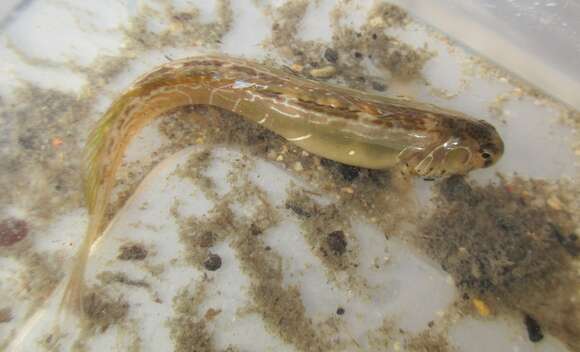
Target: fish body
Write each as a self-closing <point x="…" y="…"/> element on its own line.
<point x="337" y="123"/>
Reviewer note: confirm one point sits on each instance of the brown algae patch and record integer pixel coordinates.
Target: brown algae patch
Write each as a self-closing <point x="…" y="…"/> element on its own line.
<point x="52" y="341"/>
<point x="384" y="336"/>
<point x="189" y="328"/>
<point x="513" y="245"/>
<point x="324" y="229"/>
<point x="210" y="32"/>
<point x="39" y="151"/>
<point x="133" y="251"/>
<point x="194" y="168"/>
<point x="42" y="275"/>
<point x="390" y="337"/>
<point x="428" y="341"/>
<point x="188" y="332"/>
<point x="399" y="59"/>
<point x="109" y="277"/>
<point x="199" y="235"/>
<point x="101" y="311"/>
<point x="184" y="26"/>
<point x="349" y="49"/>
<point x="37" y="280"/>
<point x="280" y="307"/>
<point x="286" y="20"/>
<point x="38" y="277"/>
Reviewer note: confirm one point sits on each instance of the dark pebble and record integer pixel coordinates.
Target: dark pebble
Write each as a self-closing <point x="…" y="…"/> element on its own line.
<point x="298" y="210"/>
<point x="358" y="55"/>
<point x="349" y="173"/>
<point x="213" y="262"/>
<point x="12" y="231"/>
<point x="379" y="87"/>
<point x="183" y="17"/>
<point x="567" y="241"/>
<point x="132" y="252"/>
<point x="331" y="55"/>
<point x="340" y="311"/>
<point x="27" y="142"/>
<point x="534" y="330"/>
<point x="255" y="230"/>
<point x="336" y="242"/>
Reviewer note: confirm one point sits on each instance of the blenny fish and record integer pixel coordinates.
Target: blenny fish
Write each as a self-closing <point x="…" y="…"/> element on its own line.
<point x="345" y="125"/>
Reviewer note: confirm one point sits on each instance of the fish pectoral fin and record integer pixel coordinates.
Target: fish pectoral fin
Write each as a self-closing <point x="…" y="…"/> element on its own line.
<point x="419" y="160"/>
<point x="410" y="157"/>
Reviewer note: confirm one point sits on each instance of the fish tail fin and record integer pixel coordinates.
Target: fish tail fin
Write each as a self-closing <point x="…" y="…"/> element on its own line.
<point x="73" y="292"/>
<point x="102" y="155"/>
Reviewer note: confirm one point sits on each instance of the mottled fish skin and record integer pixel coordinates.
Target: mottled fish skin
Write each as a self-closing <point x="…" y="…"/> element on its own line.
<point x="334" y="122"/>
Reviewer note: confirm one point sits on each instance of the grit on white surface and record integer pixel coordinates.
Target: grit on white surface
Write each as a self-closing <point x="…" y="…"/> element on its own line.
<point x="409" y="289"/>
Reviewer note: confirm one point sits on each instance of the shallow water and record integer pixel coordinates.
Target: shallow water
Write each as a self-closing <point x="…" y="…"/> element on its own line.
<point x="397" y="277"/>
